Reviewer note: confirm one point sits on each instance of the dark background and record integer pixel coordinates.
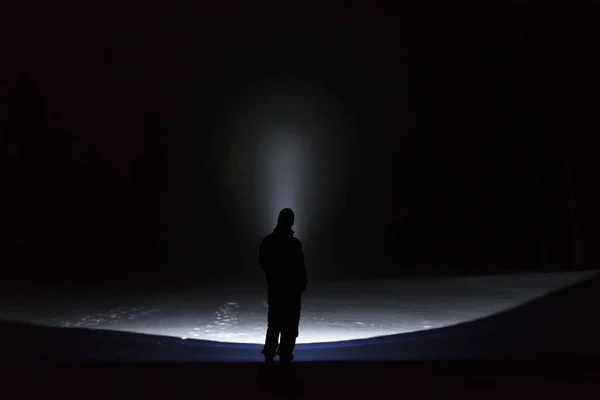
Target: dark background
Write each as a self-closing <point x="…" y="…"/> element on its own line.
<point x="475" y="128"/>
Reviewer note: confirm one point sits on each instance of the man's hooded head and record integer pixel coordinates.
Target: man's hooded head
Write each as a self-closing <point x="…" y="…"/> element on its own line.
<point x="285" y="219"/>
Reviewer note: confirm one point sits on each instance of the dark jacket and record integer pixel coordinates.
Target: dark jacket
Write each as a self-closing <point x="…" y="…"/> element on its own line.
<point x="282" y="259"/>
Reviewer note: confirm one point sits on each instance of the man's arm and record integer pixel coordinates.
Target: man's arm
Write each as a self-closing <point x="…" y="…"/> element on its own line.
<point x="304" y="280"/>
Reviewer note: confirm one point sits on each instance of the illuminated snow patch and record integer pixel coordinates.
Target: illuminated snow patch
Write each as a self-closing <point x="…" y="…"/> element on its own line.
<point x="331" y="312"/>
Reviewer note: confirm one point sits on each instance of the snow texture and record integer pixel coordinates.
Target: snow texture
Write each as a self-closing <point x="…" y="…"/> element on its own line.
<point x="332" y="312"/>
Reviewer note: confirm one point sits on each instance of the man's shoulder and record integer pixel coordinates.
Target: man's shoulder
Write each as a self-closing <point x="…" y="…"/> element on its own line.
<point x="267" y="238"/>
<point x="273" y="236"/>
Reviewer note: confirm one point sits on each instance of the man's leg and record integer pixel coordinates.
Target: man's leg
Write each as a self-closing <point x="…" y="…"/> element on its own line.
<point x="289" y="332"/>
<point x="273" y="331"/>
<point x="273" y="325"/>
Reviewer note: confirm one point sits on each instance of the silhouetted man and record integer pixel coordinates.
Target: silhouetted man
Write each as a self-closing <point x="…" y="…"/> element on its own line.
<point x="282" y="260"/>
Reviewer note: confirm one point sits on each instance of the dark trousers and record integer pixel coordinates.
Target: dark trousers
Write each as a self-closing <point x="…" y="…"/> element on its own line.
<point x="283" y="319"/>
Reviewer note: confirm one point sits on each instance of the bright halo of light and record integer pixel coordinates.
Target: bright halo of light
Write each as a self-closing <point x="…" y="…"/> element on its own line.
<point x="282" y="156"/>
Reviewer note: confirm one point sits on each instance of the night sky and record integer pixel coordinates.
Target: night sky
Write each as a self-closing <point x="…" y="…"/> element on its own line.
<point x="146" y="142"/>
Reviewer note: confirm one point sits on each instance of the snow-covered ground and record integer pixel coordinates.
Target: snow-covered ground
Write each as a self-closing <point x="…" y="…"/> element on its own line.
<point x="331" y="311"/>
